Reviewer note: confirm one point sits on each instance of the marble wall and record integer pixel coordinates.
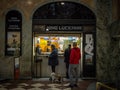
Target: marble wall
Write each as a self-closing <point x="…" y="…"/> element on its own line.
<point x="103" y="8"/>
<point x="108" y="50"/>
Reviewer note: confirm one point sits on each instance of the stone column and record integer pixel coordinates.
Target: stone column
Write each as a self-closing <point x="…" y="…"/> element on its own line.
<point x="103" y="11"/>
<point x="25" y="60"/>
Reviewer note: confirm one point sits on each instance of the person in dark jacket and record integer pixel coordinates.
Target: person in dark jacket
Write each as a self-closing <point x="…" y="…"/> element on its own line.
<point x="37" y="53"/>
<point x="38" y="50"/>
<point x="53" y="58"/>
<point x="66" y="59"/>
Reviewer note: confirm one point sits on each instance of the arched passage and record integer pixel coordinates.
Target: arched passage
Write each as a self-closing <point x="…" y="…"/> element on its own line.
<point x="64" y="19"/>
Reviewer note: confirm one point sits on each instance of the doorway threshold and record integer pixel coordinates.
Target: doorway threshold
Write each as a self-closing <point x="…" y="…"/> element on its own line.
<point x="88" y="78"/>
<point x="47" y="79"/>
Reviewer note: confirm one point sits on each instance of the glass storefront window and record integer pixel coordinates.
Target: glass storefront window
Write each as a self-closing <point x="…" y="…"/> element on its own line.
<point x="61" y="42"/>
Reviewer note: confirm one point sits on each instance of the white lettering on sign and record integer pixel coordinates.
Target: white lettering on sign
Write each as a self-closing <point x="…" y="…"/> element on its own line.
<point x="13" y="27"/>
<point x="70" y="27"/>
<point x="50" y="28"/>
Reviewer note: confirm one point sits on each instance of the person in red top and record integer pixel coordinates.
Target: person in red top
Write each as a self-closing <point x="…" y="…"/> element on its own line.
<point x="75" y="57"/>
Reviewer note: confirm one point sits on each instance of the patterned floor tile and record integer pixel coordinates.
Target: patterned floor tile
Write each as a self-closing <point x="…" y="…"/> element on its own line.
<point x="22" y="84"/>
<point x="54" y="85"/>
<point x="37" y="85"/>
<point x="35" y="89"/>
<point x="7" y="84"/>
<point x="17" y="89"/>
<point x="53" y="89"/>
<point x="3" y="88"/>
<point x="42" y="85"/>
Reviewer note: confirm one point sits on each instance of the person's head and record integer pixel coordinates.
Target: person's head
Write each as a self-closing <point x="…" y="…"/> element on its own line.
<point x="52" y="46"/>
<point x="74" y="44"/>
<point x="69" y="46"/>
<point x="38" y="46"/>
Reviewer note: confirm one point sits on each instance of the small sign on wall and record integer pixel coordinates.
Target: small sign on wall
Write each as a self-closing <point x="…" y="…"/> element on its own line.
<point x="17" y="63"/>
<point x="16" y="68"/>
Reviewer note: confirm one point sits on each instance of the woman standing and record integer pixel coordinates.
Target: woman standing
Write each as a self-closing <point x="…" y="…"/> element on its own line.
<point x="53" y="58"/>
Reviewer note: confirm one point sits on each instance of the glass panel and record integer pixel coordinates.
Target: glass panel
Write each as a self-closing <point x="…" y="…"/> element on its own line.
<point x="61" y="42"/>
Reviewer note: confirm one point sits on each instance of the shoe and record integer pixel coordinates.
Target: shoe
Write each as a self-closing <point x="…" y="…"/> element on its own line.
<point x="70" y="86"/>
<point x="75" y="85"/>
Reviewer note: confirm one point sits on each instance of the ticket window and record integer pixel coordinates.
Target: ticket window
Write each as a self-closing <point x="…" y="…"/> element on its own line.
<point x="60" y="42"/>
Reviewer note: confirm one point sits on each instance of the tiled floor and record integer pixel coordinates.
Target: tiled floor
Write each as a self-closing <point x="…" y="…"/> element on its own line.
<point x="37" y="84"/>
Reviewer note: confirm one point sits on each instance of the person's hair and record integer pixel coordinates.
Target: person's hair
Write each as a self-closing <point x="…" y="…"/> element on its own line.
<point x="74" y="44"/>
<point x="38" y="46"/>
<point x="53" y="46"/>
<point x="69" y="45"/>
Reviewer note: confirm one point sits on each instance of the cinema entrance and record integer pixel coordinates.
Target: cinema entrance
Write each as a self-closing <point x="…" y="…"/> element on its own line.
<point x="62" y="23"/>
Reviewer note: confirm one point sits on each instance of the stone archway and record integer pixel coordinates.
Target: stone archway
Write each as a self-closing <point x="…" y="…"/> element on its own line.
<point x="70" y="13"/>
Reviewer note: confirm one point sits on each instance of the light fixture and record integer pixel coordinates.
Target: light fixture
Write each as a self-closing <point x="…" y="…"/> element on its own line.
<point x="29" y="2"/>
<point x="62" y="3"/>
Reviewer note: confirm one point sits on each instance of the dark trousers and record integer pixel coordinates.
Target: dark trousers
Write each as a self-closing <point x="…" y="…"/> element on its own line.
<point x="53" y="68"/>
<point x="67" y="70"/>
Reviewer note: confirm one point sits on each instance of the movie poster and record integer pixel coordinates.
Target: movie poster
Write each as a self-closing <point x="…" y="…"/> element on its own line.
<point x="13" y="43"/>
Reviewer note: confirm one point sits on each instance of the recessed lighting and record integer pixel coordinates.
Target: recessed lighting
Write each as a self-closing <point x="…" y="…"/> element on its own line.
<point x="47" y="29"/>
<point x="62" y="3"/>
<point x="29" y="2"/>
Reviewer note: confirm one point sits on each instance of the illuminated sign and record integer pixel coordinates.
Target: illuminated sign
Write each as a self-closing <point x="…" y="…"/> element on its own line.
<point x="58" y="28"/>
<point x="63" y="28"/>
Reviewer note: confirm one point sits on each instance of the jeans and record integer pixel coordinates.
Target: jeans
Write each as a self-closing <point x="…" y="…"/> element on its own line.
<point x="73" y="73"/>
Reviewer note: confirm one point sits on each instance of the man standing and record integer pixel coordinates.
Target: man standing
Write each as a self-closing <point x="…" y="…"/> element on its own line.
<point x="67" y="58"/>
<point x="75" y="56"/>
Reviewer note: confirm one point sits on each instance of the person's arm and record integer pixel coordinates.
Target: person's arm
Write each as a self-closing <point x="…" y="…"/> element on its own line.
<point x="53" y="54"/>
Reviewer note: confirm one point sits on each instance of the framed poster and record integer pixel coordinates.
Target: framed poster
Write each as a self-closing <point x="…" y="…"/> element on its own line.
<point x="13" y="47"/>
<point x="89" y="56"/>
<point x="89" y="47"/>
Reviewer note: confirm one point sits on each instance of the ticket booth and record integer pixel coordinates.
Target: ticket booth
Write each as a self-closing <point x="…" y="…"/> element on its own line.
<point x="62" y="23"/>
<point x="61" y="42"/>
